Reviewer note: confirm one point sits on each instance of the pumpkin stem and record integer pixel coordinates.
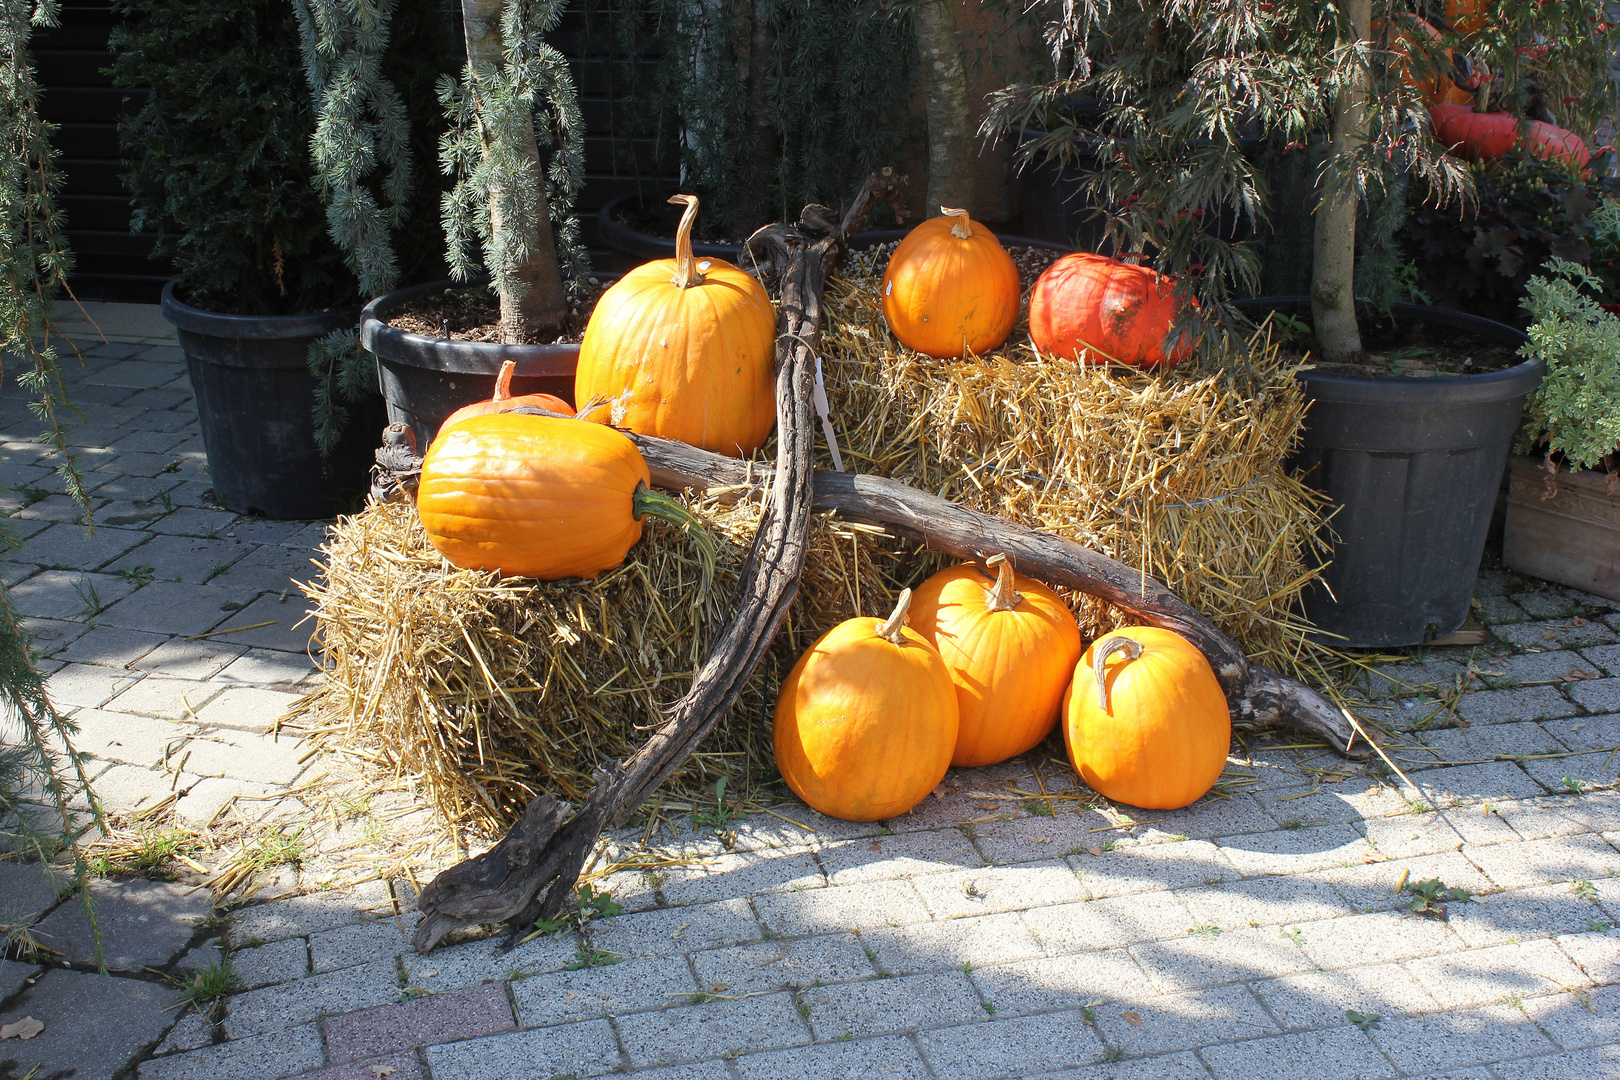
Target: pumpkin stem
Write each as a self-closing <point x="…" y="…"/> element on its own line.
<point x="897" y="619"/>
<point x="503" y="381"/>
<point x="686" y="274"/>
<point x="1100" y="654"/>
<point x="645" y="502"/>
<point x="959" y="223"/>
<point x="1482" y="97"/>
<point x="1004" y="594"/>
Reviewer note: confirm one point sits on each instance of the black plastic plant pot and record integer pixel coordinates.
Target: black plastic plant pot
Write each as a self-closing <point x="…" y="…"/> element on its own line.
<point x="1053" y="202"/>
<point x="255" y="401"/>
<point x="873" y="237"/>
<point x="425" y="379"/>
<point x="1413" y="465"/>
<point x="621" y="237"/>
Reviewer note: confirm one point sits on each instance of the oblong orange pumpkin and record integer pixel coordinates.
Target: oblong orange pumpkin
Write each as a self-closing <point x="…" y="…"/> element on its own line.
<point x="1474" y="135"/>
<point x="1010" y="644"/>
<point x="1099" y="310"/>
<point x="536" y="496"/>
<point x="503" y="401"/>
<point x="1550" y="141"/>
<point x="683" y="350"/>
<point x="950" y="288"/>
<point x="866" y="720"/>
<point x="1145" y="719"/>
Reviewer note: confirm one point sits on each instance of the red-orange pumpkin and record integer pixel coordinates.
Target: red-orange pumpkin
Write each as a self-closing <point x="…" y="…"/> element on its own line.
<point x="1560" y="144"/>
<point x="503" y="401"/>
<point x="1474" y="134"/>
<point x="950" y="288"/>
<point x="1099" y="310"/>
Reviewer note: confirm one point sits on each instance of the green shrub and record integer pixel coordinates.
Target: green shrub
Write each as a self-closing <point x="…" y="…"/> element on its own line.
<point x="1575" y="412"/>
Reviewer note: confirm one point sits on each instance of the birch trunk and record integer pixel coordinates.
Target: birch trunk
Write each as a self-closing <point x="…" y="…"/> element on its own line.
<point x="1333" y="276"/>
<point x="951" y="158"/>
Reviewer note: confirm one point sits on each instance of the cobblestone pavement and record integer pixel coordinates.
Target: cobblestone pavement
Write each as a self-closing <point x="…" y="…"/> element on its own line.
<point x="1006" y="928"/>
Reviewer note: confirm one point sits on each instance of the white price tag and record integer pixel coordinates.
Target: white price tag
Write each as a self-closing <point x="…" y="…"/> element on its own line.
<point x="819" y="396"/>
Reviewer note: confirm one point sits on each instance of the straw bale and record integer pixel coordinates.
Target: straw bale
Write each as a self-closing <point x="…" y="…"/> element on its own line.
<point x="1179" y="474"/>
<point x="486" y="690"/>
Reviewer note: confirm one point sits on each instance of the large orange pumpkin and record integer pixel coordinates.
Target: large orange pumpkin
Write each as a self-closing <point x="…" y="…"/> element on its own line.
<point x="538" y="496"/>
<point x="866" y="720"/>
<point x="503" y="401"/>
<point x="1436" y="87"/>
<point x="1145" y="719"/>
<point x="684" y="350"/>
<point x="1467" y="16"/>
<point x="950" y="288"/>
<point x="1099" y="310"/>
<point x="1010" y="644"/>
<point x="1474" y="134"/>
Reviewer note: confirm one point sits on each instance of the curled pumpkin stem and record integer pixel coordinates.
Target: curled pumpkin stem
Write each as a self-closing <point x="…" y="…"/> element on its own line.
<point x="1108" y="647"/>
<point x="686" y="273"/>
<point x="1004" y="594"/>
<point x="959" y="222"/>
<point x="646" y="502"/>
<point x="890" y="630"/>
<point x="503" y="381"/>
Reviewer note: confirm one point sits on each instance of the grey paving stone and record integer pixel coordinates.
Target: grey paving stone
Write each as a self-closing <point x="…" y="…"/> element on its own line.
<point x="247" y="708"/>
<point x="1606" y="658"/>
<point x="289" y="631"/>
<point x="245" y="756"/>
<point x="283" y="1005"/>
<point x="94" y="1024"/>
<point x="360" y="943"/>
<point x="164" y="697"/>
<point x="1169" y="1022"/>
<point x="87" y="685"/>
<point x="612" y="989"/>
<point x="1345" y="803"/>
<point x="72" y="547"/>
<point x="1293" y="851"/>
<point x="1320" y="999"/>
<point x="132" y="513"/>
<point x="55" y="508"/>
<point x="882" y="1006"/>
<point x="1597" y="695"/>
<point x="673" y="931"/>
<point x="718" y="1028"/>
<point x="148" y="442"/>
<point x="1579" y="1019"/>
<point x="1405" y="679"/>
<point x="1510" y="672"/>
<point x="189" y="659"/>
<point x="279" y="961"/>
<point x="1596" y="953"/>
<point x="1206" y="819"/>
<point x="1556" y="634"/>
<point x="1512" y="706"/>
<point x="1450" y="1040"/>
<point x="263" y="668"/>
<point x="843" y="907"/>
<point x="270" y="568"/>
<point x="1338" y="1052"/>
<point x="1263" y="902"/>
<point x="1197" y="961"/>
<point x="1015" y="1046"/>
<point x="205" y="798"/>
<point x="1376" y="937"/>
<point x="741" y="874"/>
<point x="1540" y="818"/>
<point x="1047" y="984"/>
<point x="1150" y="867"/>
<point x="136" y="374"/>
<point x="1413" y="835"/>
<point x="27" y="891"/>
<point x="1482" y="743"/>
<point x="122" y="788"/>
<point x="1541" y="862"/>
<point x="1504" y="917"/>
<point x="1108" y="923"/>
<point x="134" y="463"/>
<point x="134" y="740"/>
<point x="455" y="967"/>
<point x="312" y="913"/>
<point x="934" y="946"/>
<point x="889" y="1058"/>
<point x="790" y="964"/>
<point x="1467" y="785"/>
<point x="173" y="608"/>
<point x="580" y="1050"/>
<point x="1182" y="1066"/>
<point x="1602" y="1061"/>
<point x="1498" y="974"/>
<point x="144" y="924"/>
<point x="192" y="1031"/>
<point x="70" y="595"/>
<point x="265" y="531"/>
<point x="1597" y="811"/>
<point x="110" y="646"/>
<point x="1586" y="733"/>
<point x="269" y="1056"/>
<point x="14" y="975"/>
<point x="985" y="891"/>
<point x="902" y="855"/>
<point x="50" y="635"/>
<point x="1498" y="609"/>
<point x="188" y="559"/>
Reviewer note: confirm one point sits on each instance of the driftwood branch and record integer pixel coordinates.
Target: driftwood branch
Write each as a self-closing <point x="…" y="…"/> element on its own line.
<point x="506" y="883"/>
<point x="1258" y="696"/>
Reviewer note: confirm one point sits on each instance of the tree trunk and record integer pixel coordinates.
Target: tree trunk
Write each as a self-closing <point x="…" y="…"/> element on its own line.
<point x="534" y="311"/>
<point x="1333" y="277"/>
<point x="951" y="159"/>
<point x="761" y="128"/>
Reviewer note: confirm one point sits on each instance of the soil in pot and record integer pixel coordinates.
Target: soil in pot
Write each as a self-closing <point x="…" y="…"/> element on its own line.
<point x="473" y="313"/>
<point x="1405" y="347"/>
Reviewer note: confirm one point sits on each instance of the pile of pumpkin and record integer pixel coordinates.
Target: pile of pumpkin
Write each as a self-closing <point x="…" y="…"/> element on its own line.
<point x="874" y="713"/>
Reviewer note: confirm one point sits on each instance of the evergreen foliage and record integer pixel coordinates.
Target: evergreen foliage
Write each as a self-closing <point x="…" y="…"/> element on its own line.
<point x="219" y="157"/>
<point x="38" y="781"/>
<point x="1575" y="412"/>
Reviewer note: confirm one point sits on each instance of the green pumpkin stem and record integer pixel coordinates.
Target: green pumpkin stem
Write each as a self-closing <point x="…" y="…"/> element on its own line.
<point x="646" y="502"/>
<point x="1004" y="594"/>
<point x="959" y="222"/>
<point x="686" y="274"/>
<point x="891" y="630"/>
<point x="1101" y="651"/>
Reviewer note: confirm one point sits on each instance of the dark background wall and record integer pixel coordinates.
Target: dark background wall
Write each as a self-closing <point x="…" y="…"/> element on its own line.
<point x="113" y="264"/>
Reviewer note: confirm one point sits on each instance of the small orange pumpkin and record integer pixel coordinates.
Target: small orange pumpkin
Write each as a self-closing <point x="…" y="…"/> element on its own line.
<point x="1148" y="728"/>
<point x="683" y="350"/>
<point x="950" y="288"/>
<point x="539" y="496"/>
<point x="1099" y="310"/>
<point x="1010" y="645"/>
<point x="866" y="720"/>
<point x="503" y="401"/>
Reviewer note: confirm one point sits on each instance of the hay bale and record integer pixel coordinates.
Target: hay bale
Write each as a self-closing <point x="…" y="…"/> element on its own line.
<point x="486" y="690"/>
<point x="1179" y="474"/>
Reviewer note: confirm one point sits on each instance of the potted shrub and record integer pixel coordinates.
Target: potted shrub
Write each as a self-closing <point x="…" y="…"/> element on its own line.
<point x="218" y="163"/>
<point x="1563" y="512"/>
<point x="1412" y="462"/>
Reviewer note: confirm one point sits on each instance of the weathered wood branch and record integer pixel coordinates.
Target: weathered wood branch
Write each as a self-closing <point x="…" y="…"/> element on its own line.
<point x="506" y="882"/>
<point x="1258" y="696"/>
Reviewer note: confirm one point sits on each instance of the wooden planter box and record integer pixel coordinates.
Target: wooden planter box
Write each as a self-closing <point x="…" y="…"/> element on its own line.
<point x="1572" y="538"/>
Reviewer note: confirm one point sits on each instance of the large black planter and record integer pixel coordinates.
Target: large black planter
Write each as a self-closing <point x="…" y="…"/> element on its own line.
<point x="1053" y="202"/>
<point x="425" y="379"/>
<point x="255" y="401"/>
<point x="1414" y="465"/>
<point x="621" y="237"/>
